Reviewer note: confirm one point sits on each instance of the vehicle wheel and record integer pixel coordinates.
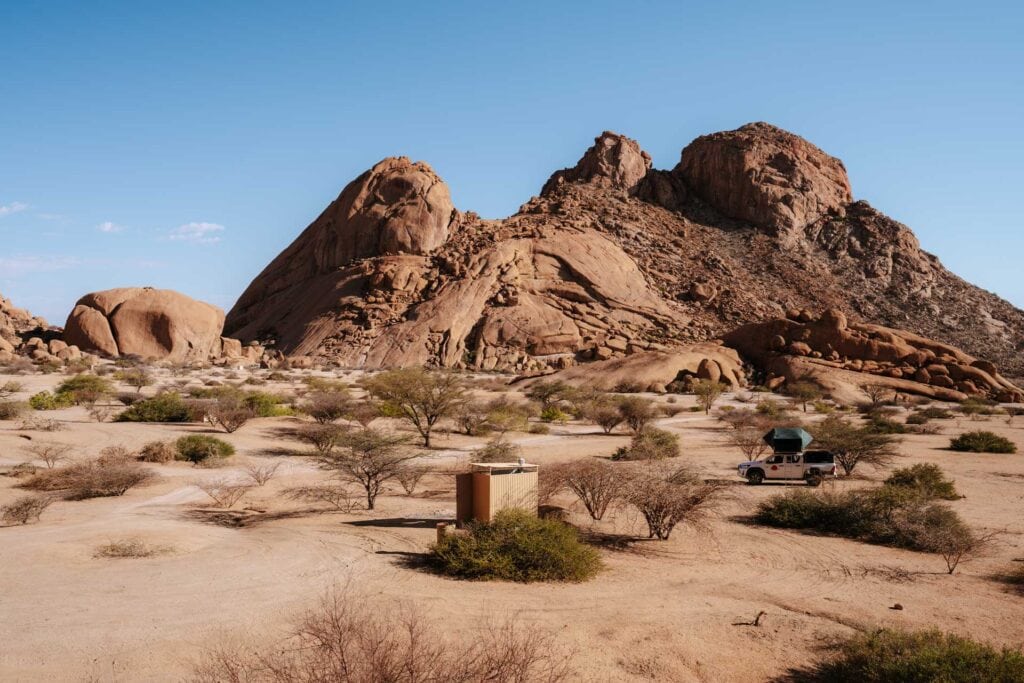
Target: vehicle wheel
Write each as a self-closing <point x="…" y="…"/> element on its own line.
<point x="755" y="477"/>
<point x="814" y="480"/>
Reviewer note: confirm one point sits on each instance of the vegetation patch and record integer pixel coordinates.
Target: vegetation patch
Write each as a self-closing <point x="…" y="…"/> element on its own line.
<point x="516" y="546"/>
<point x="915" y="657"/>
<point x="165" y="407"/>
<point x="982" y="442"/>
<point x="902" y="516"/>
<point x="198" y="448"/>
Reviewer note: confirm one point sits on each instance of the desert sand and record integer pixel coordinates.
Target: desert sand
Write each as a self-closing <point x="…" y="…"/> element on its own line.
<point x="666" y="611"/>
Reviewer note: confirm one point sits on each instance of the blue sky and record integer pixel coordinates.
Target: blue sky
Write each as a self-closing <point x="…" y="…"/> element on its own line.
<point x="184" y="144"/>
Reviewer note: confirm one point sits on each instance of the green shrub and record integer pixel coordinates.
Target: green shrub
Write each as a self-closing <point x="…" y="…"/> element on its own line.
<point x="81" y="388"/>
<point x="650" y="443"/>
<point x="166" y="407"/>
<point x="935" y="413"/>
<point x="554" y="414"/>
<point x="926" y="478"/>
<point x="982" y="442"/>
<point x="516" y="546"/>
<point x="772" y="408"/>
<point x="917" y="419"/>
<point x="197" y="448"/>
<point x="263" y="404"/>
<point x="879" y="424"/>
<point x="44" y="400"/>
<point x="916" y="657"/>
<point x="11" y="410"/>
<point x="539" y="428"/>
<point x="497" y="450"/>
<point x="888" y="515"/>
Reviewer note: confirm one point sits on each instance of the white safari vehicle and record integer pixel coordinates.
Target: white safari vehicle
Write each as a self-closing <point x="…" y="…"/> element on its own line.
<point x="790" y="461"/>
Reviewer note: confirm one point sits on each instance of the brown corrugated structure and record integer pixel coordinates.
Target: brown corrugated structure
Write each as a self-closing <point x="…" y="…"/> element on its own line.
<point x="491" y="487"/>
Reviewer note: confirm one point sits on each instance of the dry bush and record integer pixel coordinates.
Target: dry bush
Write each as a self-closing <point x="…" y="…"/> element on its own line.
<point x="550" y="481"/>
<point x="90" y="479"/>
<point x="11" y="410"/>
<point x="749" y="441"/>
<point x="409" y="477"/>
<point x="25" y="509"/>
<point x="158" y="451"/>
<point x="114" y="454"/>
<point x="49" y="453"/>
<point x="9" y="388"/>
<point x="335" y="495"/>
<point x="328" y="406"/>
<point x="363" y="413"/>
<point x="41" y="424"/>
<point x="99" y="412"/>
<point x="229" y="413"/>
<point x="130" y="548"/>
<point x="595" y="482"/>
<point x="667" y="497"/>
<point x="261" y="474"/>
<point x="356" y="639"/>
<point x="224" y="492"/>
<point x="322" y="437"/>
<point x="471" y="419"/>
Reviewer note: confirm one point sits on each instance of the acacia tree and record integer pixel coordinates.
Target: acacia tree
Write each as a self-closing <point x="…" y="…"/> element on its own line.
<point x="804" y="392"/>
<point x="637" y="412"/>
<point x="852" y="445"/>
<point x="421" y="397"/>
<point x="708" y="393"/>
<point x="603" y="412"/>
<point x="368" y="457"/>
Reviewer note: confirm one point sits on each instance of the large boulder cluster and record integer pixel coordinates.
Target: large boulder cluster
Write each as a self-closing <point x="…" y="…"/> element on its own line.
<point x="833" y="351"/>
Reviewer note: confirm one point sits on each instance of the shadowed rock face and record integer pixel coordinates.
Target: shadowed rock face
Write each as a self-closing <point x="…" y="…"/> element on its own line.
<point x="613" y="258"/>
<point x="147" y="322"/>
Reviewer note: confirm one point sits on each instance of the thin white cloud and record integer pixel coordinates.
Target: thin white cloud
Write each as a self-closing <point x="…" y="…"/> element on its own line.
<point x="109" y="227"/>
<point x="13" y="207"/>
<point x="15" y="266"/>
<point x="197" y="233"/>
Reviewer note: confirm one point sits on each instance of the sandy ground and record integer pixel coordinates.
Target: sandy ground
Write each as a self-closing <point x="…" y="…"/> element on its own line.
<point x="666" y="611"/>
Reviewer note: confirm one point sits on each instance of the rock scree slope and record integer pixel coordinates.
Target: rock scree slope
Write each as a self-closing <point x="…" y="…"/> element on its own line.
<point x="612" y="258"/>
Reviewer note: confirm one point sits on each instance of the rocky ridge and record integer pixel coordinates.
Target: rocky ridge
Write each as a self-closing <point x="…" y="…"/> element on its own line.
<point x="612" y="258"/>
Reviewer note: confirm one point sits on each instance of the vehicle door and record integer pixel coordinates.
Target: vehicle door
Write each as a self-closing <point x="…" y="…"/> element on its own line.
<point x="794" y="466"/>
<point x="774" y="467"/>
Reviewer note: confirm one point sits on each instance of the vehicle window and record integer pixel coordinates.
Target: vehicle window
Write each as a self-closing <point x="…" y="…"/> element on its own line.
<point x="792" y="458"/>
<point x="817" y="457"/>
<point x="774" y="460"/>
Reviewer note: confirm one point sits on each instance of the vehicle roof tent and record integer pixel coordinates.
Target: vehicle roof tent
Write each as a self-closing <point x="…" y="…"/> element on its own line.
<point x="788" y="439"/>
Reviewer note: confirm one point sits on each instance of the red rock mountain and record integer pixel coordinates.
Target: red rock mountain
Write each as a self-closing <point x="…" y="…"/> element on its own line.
<point x="612" y="258"/>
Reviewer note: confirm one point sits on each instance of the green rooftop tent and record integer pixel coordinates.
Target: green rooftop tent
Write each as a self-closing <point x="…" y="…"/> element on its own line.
<point x="788" y="439"/>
